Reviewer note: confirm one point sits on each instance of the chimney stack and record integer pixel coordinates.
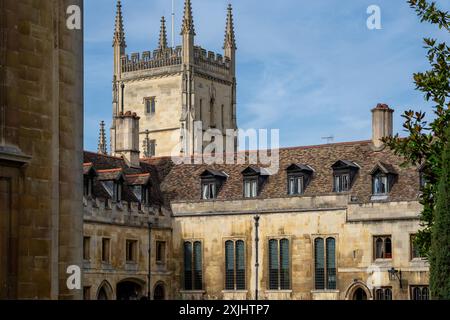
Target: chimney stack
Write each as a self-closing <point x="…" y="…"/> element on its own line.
<point x="382" y="124"/>
<point x="127" y="138"/>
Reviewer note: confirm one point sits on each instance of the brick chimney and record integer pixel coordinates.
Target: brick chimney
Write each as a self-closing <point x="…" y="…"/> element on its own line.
<point x="382" y="124"/>
<point x="127" y="138"/>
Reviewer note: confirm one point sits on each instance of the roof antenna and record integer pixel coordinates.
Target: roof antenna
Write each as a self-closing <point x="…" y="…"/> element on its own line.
<point x="329" y="139"/>
<point x="173" y="24"/>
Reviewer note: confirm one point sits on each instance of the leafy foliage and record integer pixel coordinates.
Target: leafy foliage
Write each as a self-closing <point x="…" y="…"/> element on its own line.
<point x="425" y="142"/>
<point x="440" y="233"/>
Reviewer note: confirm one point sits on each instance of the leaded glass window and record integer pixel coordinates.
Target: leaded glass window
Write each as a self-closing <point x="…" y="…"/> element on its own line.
<point x="383" y="294"/>
<point x="234" y="265"/>
<point x="383" y="247"/>
<point x="188" y="266"/>
<point x="193" y="266"/>
<point x="279" y="265"/>
<point x="325" y="263"/>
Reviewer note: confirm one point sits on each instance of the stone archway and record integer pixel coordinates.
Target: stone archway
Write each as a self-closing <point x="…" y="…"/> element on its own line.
<point x="159" y="292"/>
<point x="358" y="290"/>
<point x="105" y="291"/>
<point x="130" y="289"/>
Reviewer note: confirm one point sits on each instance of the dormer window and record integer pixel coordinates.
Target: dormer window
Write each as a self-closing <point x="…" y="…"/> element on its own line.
<point x="380" y="184"/>
<point x="250" y="187"/>
<point x="112" y="182"/>
<point x="212" y="181"/>
<point x="209" y="190"/>
<point x="299" y="176"/>
<point x="89" y="174"/>
<point x="254" y="179"/>
<point x="341" y="182"/>
<point x="383" y="178"/>
<point x="344" y="173"/>
<point x="141" y="192"/>
<point x="140" y="186"/>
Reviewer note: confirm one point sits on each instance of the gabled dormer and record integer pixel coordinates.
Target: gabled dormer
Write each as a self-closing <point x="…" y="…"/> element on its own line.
<point x="344" y="174"/>
<point x="298" y="177"/>
<point x="212" y="181"/>
<point x="89" y="174"/>
<point x="140" y="186"/>
<point x="254" y="178"/>
<point x="383" y="178"/>
<point x="112" y="182"/>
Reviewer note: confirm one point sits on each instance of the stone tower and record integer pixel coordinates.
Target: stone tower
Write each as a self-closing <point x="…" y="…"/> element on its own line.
<point x="171" y="89"/>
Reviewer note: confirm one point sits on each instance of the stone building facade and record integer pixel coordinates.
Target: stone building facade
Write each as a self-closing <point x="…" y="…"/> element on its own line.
<point x="171" y="89"/>
<point x="122" y="211"/>
<point x="41" y="116"/>
<point x="335" y="221"/>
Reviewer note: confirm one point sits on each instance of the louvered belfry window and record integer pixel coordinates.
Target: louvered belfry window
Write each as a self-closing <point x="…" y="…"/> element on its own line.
<point x="279" y="265"/>
<point x="193" y="270"/>
<point x="235" y="265"/>
<point x="325" y="263"/>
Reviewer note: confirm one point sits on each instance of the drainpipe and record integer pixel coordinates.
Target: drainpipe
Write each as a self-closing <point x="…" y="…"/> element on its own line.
<point x="257" y="256"/>
<point x="149" y="290"/>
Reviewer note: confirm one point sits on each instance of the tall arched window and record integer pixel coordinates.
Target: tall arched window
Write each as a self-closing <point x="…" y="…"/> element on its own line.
<point x="193" y="266"/>
<point x="229" y="265"/>
<point x="325" y="263"/>
<point x="188" y="266"/>
<point x="198" y="274"/>
<point x="234" y="265"/>
<point x="379" y="248"/>
<point x="279" y="265"/>
<point x="319" y="264"/>
<point x="331" y="263"/>
<point x="240" y="265"/>
<point x="284" y="264"/>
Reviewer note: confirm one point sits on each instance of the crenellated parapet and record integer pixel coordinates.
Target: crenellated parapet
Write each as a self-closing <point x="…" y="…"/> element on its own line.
<point x="211" y="61"/>
<point x="207" y="60"/>
<point x="152" y="60"/>
<point x="122" y="213"/>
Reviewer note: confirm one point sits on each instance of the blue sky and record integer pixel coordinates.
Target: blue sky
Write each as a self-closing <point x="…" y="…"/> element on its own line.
<point x="309" y="68"/>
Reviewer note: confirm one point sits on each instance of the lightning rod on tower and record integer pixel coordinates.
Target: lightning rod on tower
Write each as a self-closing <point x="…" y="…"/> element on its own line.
<point x="173" y="23"/>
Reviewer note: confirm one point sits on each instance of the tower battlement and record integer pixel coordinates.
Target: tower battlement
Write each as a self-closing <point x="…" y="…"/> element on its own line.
<point x="151" y="59"/>
<point x="214" y="62"/>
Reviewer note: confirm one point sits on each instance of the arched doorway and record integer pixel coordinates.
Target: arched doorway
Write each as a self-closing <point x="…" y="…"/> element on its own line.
<point x="358" y="290"/>
<point x="105" y="291"/>
<point x="159" y="293"/>
<point x="102" y="294"/>
<point x="360" y="294"/>
<point x="129" y="290"/>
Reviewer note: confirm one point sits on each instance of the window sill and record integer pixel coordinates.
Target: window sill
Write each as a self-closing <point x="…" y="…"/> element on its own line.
<point x="278" y="291"/>
<point x="234" y="291"/>
<point x="325" y="291"/>
<point x="379" y="197"/>
<point x="295" y="195"/>
<point x="383" y="262"/>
